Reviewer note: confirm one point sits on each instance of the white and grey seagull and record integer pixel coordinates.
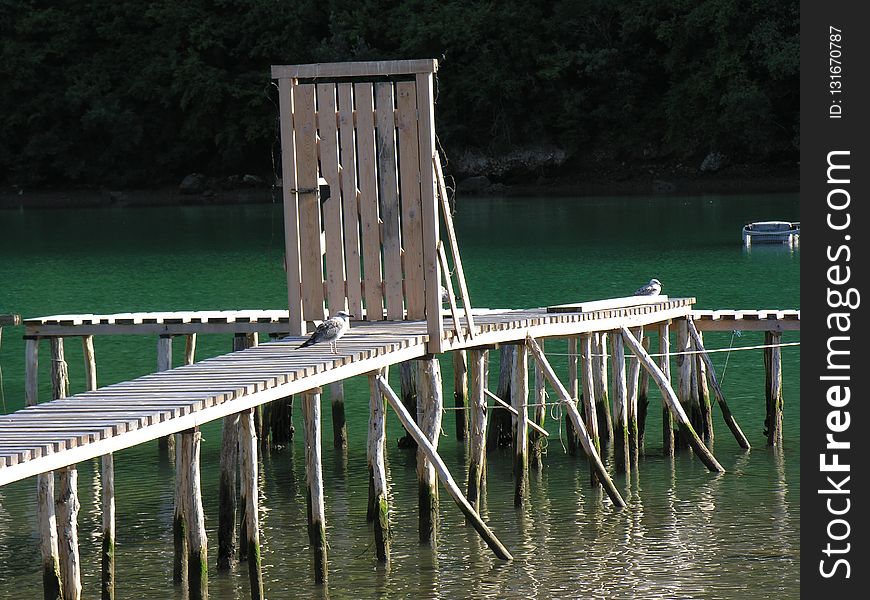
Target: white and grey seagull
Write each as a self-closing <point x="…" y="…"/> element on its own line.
<point x="653" y="288"/>
<point x="330" y="331"/>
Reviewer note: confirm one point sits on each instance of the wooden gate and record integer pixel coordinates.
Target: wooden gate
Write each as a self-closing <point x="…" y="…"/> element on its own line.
<point x="361" y="186"/>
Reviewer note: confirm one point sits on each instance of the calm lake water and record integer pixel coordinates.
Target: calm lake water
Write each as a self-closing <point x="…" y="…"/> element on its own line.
<point x="685" y="534"/>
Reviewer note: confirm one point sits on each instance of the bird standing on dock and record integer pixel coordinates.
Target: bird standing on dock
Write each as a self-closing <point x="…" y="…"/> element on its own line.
<point x="330" y="331"/>
<point x="653" y="288"/>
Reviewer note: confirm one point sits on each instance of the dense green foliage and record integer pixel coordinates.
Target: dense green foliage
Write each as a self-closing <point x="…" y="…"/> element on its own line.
<point x="134" y="91"/>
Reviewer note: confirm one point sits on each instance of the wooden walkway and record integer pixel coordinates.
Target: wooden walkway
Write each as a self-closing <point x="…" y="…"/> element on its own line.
<point x="55" y="434"/>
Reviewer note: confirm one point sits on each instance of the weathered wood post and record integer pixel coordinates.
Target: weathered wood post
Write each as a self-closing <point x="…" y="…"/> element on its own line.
<point x="59" y="374"/>
<point x="67" y="511"/>
<point x="703" y="392"/>
<point x="314" y="478"/>
<point x="47" y="520"/>
<point x="229" y="459"/>
<point x="500" y="430"/>
<point x="179" y="533"/>
<point x="665" y="365"/>
<point x="241" y="341"/>
<point x="164" y="363"/>
<point x="339" y="420"/>
<point x="773" y="387"/>
<point x="408" y="390"/>
<point x="460" y="393"/>
<point x="478" y="369"/>
<point x="620" y="409"/>
<point x="194" y="517"/>
<point x="633" y="390"/>
<point x="189" y="348"/>
<point x="430" y="403"/>
<point x="107" y="578"/>
<point x="599" y="374"/>
<point x="574" y="390"/>
<point x="520" y="400"/>
<point x="539" y="397"/>
<point x="687" y="387"/>
<point x="248" y="445"/>
<point x="377" y="438"/>
<point x="31" y="371"/>
<point x="642" y="400"/>
<point x="589" y="398"/>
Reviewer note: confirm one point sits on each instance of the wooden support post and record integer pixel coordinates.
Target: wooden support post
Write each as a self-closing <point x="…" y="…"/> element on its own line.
<point x="447" y="481"/>
<point x="642" y="400"/>
<point x="520" y="400"/>
<point x="665" y="365"/>
<point x="585" y="439"/>
<point x="633" y="389"/>
<point x="314" y="478"/>
<point x="339" y="421"/>
<point x="248" y="476"/>
<point x="717" y="390"/>
<point x="574" y="391"/>
<point x="229" y="460"/>
<point x="773" y="388"/>
<point x="47" y="521"/>
<point x="179" y="535"/>
<point x="539" y="399"/>
<point x="686" y="429"/>
<point x="602" y="399"/>
<point x="620" y="408"/>
<point x="59" y="374"/>
<point x="408" y="389"/>
<point x="107" y="578"/>
<point x="703" y="392"/>
<point x="687" y="392"/>
<point x="460" y="393"/>
<point x="589" y="399"/>
<point x="280" y="423"/>
<point x="164" y="363"/>
<point x="194" y="518"/>
<point x="31" y="371"/>
<point x="378" y="506"/>
<point x="90" y="362"/>
<point x="500" y="430"/>
<point x="477" y="400"/>
<point x="190" y="348"/>
<point x="429" y="406"/>
<point x="67" y="511"/>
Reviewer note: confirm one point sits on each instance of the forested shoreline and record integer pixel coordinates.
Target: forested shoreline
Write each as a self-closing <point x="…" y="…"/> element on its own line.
<point x="139" y="93"/>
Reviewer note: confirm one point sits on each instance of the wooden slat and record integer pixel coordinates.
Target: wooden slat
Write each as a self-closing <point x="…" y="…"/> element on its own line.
<point x="326" y="120"/>
<point x="609" y="303"/>
<point x="368" y="200"/>
<point x="409" y="181"/>
<point x="389" y="200"/>
<point x="349" y="199"/>
<point x="354" y="69"/>
<point x="291" y="207"/>
<point x="311" y="250"/>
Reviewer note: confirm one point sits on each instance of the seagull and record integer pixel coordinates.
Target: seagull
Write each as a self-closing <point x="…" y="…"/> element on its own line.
<point x="653" y="288"/>
<point x="330" y="330"/>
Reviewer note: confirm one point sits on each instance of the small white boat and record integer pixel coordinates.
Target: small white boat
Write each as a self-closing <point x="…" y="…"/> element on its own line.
<point x="772" y="232"/>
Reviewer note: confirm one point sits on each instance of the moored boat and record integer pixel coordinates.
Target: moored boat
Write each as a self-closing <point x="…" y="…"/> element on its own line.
<point x="772" y="232"/>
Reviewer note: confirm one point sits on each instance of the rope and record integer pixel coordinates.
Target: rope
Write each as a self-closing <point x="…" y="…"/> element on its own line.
<point x="708" y="351"/>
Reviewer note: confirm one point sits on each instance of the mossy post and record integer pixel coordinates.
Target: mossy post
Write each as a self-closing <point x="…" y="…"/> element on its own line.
<point x="408" y="391"/>
<point x="107" y="579"/>
<point x="621" y="451"/>
<point x="703" y="390"/>
<point x="248" y="476"/>
<point x="642" y="400"/>
<point x="194" y="517"/>
<point x="773" y="387"/>
<point x="539" y="399"/>
<point x="314" y="477"/>
<point x="460" y="393"/>
<point x="685" y="389"/>
<point x="379" y="508"/>
<point x="339" y="421"/>
<point x="47" y="522"/>
<point x="665" y="366"/>
<point x="179" y="535"/>
<point x="574" y="390"/>
<point x="477" y="366"/>
<point x="500" y="430"/>
<point x="633" y="391"/>
<point x="229" y="460"/>
<point x="602" y="401"/>
<point x="164" y="363"/>
<point x="280" y="423"/>
<point x="429" y="407"/>
<point x="591" y="418"/>
<point x="67" y="511"/>
<point x="520" y="402"/>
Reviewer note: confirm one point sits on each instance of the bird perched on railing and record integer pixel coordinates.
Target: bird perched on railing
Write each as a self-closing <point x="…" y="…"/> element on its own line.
<point x="653" y="288"/>
<point x="330" y="331"/>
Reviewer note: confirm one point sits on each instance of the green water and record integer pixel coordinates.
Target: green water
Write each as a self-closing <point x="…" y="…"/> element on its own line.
<point x="685" y="534"/>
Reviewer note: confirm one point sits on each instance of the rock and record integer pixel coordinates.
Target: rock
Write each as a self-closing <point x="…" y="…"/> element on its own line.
<point x="479" y="184"/>
<point x="252" y="180"/>
<point x="195" y="183"/>
<point x="523" y="160"/>
<point x="659" y="186"/>
<point x="713" y="162"/>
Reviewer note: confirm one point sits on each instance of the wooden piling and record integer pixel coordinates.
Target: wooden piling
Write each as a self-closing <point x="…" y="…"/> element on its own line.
<point x="248" y="445"/>
<point x="773" y="388"/>
<point x="477" y="400"/>
<point x="280" y="423"/>
<point x="408" y="390"/>
<point x="717" y="391"/>
<point x="107" y="578"/>
<point x="189" y="348"/>
<point x="67" y="510"/>
<point x="460" y="393"/>
<point x="602" y="399"/>
<point x="687" y="389"/>
<point x="633" y="390"/>
<point x="620" y="408"/>
<point x="519" y="401"/>
<point x="642" y="401"/>
<point x="164" y="363"/>
<point x="194" y="517"/>
<point x="665" y="365"/>
<point x="31" y="371"/>
<point x="500" y="430"/>
<point x="59" y="374"/>
<point x="90" y="362"/>
<point x="687" y="432"/>
<point x="314" y="478"/>
<point x="429" y="407"/>
<point x="586" y="365"/>
<point x="48" y="543"/>
<point x="379" y="508"/>
<point x="447" y="480"/>
<point x="703" y="391"/>
<point x="574" y="391"/>
<point x="179" y="533"/>
<point x="229" y="459"/>
<point x="539" y="399"/>
<point x="339" y="421"/>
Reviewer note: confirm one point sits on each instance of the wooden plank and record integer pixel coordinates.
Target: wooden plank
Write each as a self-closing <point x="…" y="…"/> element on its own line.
<point x="389" y="200"/>
<point x="606" y="304"/>
<point x="326" y="120"/>
<point x="308" y="194"/>
<point x="409" y="181"/>
<point x="355" y="69"/>
<point x="349" y="198"/>
<point x="292" y="250"/>
<point x="368" y="201"/>
<point x="442" y="260"/>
